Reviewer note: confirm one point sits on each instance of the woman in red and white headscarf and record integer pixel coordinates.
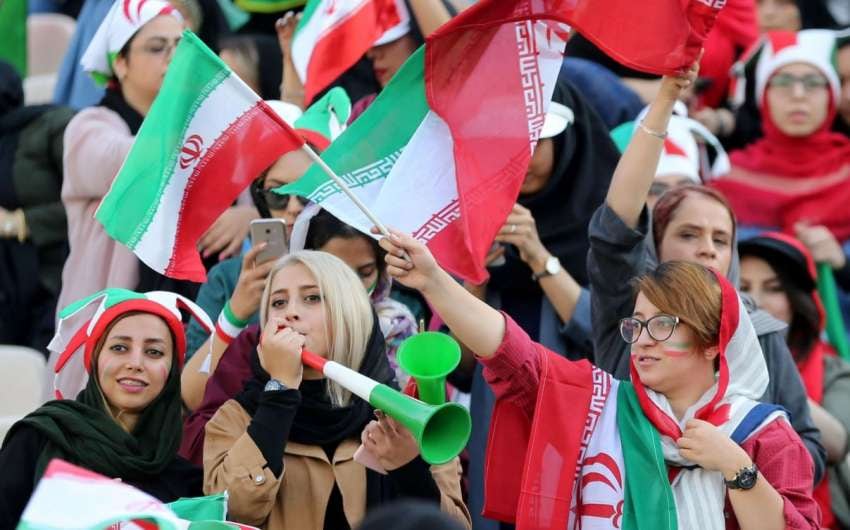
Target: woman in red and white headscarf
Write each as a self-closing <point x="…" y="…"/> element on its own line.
<point x="778" y="272"/>
<point x="797" y="177"/>
<point x="683" y="445"/>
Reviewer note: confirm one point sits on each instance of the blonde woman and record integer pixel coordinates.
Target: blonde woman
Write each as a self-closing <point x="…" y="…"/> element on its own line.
<point x="283" y="448"/>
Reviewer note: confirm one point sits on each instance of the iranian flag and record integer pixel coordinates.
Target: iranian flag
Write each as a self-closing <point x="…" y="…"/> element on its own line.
<point x="443" y="150"/>
<point x="71" y="498"/>
<point x="206" y="137"/>
<point x="334" y="34"/>
<point x="588" y="458"/>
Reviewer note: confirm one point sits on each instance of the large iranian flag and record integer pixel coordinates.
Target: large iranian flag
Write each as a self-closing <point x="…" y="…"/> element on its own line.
<point x="334" y="34"/>
<point x="588" y="458"/>
<point x="206" y="137"/>
<point x="68" y="497"/>
<point x="443" y="150"/>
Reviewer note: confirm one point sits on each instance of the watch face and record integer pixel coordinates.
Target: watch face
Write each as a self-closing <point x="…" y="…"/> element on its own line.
<point x="747" y="478"/>
<point x="553" y="265"/>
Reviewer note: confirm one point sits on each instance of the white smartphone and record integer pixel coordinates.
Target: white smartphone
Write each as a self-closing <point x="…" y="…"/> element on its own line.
<point x="272" y="232"/>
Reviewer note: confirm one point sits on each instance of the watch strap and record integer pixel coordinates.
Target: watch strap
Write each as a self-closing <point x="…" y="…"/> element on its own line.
<point x="555" y="264"/>
<point x="745" y="478"/>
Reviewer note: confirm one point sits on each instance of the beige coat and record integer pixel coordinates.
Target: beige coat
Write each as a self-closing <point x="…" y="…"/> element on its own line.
<point x="298" y="499"/>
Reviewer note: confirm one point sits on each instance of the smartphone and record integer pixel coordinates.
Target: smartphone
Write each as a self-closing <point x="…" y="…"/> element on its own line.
<point x="272" y="232"/>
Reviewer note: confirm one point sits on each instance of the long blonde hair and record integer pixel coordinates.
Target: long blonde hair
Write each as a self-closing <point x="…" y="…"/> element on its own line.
<point x="348" y="313"/>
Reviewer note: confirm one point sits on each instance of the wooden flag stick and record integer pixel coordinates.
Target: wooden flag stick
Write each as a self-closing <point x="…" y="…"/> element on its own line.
<point x="345" y="189"/>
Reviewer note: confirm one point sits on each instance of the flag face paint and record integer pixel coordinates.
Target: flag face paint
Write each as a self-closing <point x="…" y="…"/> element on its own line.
<point x="677" y="349"/>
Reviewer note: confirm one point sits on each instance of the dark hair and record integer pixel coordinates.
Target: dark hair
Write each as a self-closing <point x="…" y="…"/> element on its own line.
<point x="805" y="326"/>
<point x="668" y="204"/>
<point x="262" y="55"/>
<point x="324" y="227"/>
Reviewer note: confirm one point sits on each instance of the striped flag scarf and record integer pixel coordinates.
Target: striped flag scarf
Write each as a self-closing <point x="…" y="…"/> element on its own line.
<point x="570" y="465"/>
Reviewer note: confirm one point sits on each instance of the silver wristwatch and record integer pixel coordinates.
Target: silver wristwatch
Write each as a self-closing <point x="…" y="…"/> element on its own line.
<point x="274" y="385"/>
<point x="552" y="267"/>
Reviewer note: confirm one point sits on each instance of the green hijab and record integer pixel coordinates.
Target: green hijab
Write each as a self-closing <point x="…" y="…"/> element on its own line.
<point x="84" y="433"/>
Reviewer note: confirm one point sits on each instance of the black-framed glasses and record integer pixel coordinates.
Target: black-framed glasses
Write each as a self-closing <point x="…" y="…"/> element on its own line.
<point x="659" y="327"/>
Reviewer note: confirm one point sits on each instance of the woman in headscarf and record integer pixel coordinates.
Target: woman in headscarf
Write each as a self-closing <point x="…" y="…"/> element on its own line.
<point x="126" y="423"/>
<point x="544" y="245"/>
<point x="130" y="54"/>
<point x="799" y="172"/>
<point x="691" y="223"/>
<point x="779" y="273"/>
<point x="284" y="447"/>
<point x="683" y="445"/>
<point x="33" y="231"/>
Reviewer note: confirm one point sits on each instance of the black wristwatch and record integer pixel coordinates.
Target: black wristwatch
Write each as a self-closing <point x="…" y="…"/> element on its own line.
<point x="744" y="479"/>
<point x="274" y="385"/>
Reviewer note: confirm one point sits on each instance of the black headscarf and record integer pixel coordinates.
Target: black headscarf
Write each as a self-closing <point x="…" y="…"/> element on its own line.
<point x="14" y="116"/>
<point x="317" y="421"/>
<point x="82" y="432"/>
<point x="114" y="100"/>
<point x="585" y="158"/>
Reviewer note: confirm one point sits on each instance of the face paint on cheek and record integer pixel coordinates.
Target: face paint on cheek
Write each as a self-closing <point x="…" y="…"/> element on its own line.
<point x="677" y="349"/>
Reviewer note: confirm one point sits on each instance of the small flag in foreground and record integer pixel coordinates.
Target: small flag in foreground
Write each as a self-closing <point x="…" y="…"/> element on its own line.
<point x="71" y="498"/>
<point x="206" y="137"/>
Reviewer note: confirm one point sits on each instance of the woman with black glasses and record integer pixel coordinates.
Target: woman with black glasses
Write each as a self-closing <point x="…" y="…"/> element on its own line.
<point x="683" y="444"/>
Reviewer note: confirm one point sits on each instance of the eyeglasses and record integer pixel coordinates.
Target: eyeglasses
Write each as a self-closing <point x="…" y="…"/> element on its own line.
<point x="786" y="82"/>
<point x="659" y="327"/>
<point x="278" y="201"/>
<point x="159" y="47"/>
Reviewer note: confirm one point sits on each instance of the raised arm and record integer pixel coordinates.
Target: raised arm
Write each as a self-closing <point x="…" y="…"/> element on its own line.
<point x="636" y="170"/>
<point x="430" y="15"/>
<point x="480" y="327"/>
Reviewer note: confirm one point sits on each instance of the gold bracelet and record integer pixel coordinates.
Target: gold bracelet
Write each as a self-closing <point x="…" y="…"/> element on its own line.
<point x="22" y="225"/>
<point x="647" y="130"/>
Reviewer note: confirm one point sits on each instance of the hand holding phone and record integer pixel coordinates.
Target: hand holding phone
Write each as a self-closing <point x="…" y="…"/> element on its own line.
<point x="272" y="232"/>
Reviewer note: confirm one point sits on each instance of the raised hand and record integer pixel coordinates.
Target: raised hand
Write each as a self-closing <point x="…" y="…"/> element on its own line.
<point x="245" y="301"/>
<point x="409" y="261"/>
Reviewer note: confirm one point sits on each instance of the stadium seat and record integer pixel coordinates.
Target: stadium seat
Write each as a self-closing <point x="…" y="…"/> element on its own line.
<point x="22" y="380"/>
<point x="48" y="36"/>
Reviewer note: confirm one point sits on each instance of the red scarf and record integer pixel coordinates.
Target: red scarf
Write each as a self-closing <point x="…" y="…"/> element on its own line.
<point x="779" y="180"/>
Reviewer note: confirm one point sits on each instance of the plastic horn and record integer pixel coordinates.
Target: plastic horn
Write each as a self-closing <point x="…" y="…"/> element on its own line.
<point x="429" y="357"/>
<point x="441" y="431"/>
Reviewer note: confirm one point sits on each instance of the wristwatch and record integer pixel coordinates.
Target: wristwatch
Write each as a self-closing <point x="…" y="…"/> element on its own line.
<point x="274" y="385"/>
<point x="552" y="267"/>
<point x="744" y="479"/>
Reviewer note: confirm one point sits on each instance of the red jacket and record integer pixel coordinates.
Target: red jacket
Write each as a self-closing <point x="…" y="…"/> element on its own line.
<point x="514" y="374"/>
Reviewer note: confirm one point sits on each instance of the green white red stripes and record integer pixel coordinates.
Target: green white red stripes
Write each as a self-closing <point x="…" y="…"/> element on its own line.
<point x="206" y="137"/>
<point x="442" y="431"/>
<point x="451" y="169"/>
<point x="229" y="326"/>
<point x="72" y="498"/>
<point x="334" y="34"/>
<point x="355" y="382"/>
